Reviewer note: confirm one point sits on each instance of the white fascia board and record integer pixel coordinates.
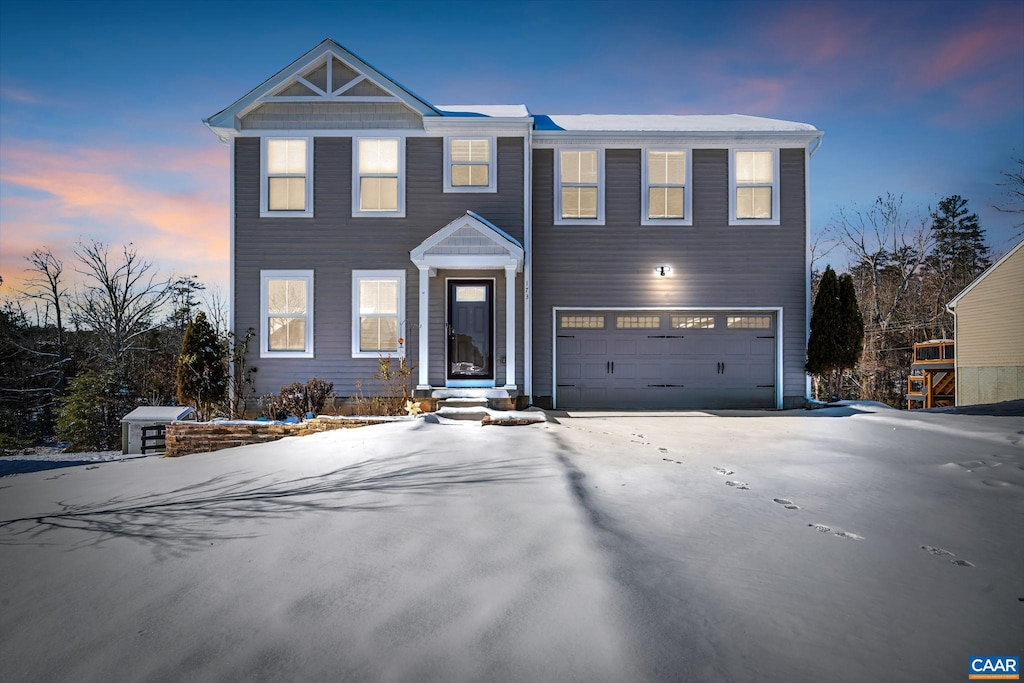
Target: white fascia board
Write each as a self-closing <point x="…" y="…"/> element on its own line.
<point x="509" y="127"/>
<point x="697" y="140"/>
<point x="955" y="300"/>
<point x="227" y="118"/>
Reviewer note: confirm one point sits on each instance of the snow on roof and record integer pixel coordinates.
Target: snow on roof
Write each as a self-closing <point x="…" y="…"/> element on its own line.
<point x="158" y="413"/>
<point x="717" y="123"/>
<point x="485" y="110"/>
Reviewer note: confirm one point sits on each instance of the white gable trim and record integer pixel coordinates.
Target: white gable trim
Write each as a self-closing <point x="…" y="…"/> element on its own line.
<point x="226" y="122"/>
<point x="511" y="256"/>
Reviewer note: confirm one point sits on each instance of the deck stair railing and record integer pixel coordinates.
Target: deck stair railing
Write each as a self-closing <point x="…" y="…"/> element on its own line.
<point x="932" y="380"/>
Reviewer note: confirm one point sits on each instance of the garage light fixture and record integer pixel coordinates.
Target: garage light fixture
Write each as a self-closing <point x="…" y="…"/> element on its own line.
<point x="663" y="271"/>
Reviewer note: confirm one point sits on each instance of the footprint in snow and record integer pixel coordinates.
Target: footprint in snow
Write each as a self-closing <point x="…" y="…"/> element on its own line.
<point x="56" y="476"/>
<point x="939" y="552"/>
<point x="723" y="471"/>
<point x="678" y="462"/>
<point x="788" y="504"/>
<point x="741" y="485"/>
<point x="838" y="533"/>
<point x="93" y="467"/>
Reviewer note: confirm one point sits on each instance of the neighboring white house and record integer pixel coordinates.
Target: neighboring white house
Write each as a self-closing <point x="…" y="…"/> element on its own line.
<point x="989" y="331"/>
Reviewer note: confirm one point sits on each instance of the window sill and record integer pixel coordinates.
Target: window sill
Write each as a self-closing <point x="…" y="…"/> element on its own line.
<point x="286" y="354"/>
<point x="667" y="222"/>
<point x="286" y="214"/>
<point x="579" y="221"/>
<point x="378" y="354"/>
<point x="739" y="222"/>
<point x="378" y="214"/>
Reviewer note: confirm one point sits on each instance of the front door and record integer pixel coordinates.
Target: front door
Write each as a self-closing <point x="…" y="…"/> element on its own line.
<point x="470" y="329"/>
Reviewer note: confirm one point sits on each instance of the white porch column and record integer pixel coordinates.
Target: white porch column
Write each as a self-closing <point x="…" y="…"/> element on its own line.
<point x="424" y="353"/>
<point x="510" y="327"/>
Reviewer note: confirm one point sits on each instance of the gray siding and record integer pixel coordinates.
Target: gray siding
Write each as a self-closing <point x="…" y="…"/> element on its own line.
<point x="333" y="243"/>
<point x="331" y="115"/>
<point x="714" y="264"/>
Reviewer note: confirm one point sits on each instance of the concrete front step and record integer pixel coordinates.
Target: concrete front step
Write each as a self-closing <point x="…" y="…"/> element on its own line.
<point x="470" y="392"/>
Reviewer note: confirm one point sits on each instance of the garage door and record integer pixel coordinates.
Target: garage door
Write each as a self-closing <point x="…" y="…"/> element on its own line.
<point x="642" y="359"/>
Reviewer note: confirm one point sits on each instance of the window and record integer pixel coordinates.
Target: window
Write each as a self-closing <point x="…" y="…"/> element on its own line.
<point x="469" y="165"/>
<point x="579" y="191"/>
<point x="378" y="313"/>
<point x="693" y="322"/>
<point x="287" y="184"/>
<point x="378" y="187"/>
<point x="632" y="322"/>
<point x="582" y="322"/>
<point x="754" y="191"/>
<point x="286" y="320"/>
<point x="666" y="199"/>
<point x="749" y="322"/>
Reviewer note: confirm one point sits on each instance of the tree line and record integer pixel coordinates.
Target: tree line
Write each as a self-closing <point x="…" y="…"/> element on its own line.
<point x="74" y="362"/>
<point x="902" y="271"/>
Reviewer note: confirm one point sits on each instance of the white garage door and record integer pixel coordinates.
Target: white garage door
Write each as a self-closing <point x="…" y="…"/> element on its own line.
<point x="643" y="359"/>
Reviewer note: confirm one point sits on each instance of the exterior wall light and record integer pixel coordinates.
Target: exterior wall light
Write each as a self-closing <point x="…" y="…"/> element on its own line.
<point x="663" y="271"/>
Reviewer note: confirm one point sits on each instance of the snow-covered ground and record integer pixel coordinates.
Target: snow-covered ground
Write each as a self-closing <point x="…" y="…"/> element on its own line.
<point x="845" y="544"/>
<point x="50" y="458"/>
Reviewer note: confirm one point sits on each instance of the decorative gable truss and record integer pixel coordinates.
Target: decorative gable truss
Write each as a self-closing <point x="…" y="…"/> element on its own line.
<point x="327" y="88"/>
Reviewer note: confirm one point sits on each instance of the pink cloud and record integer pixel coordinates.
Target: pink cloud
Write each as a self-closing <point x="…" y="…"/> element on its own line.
<point x="967" y="49"/>
<point x="119" y="196"/>
<point x="20" y="96"/>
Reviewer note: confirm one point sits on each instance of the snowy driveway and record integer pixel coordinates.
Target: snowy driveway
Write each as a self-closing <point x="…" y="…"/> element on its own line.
<point x="781" y="547"/>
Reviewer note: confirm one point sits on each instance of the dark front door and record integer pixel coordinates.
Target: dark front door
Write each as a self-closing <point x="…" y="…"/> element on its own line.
<point x="470" y="332"/>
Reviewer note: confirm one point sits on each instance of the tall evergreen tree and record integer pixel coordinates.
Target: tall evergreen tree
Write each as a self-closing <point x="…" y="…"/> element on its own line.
<point x="825" y="345"/>
<point x="852" y="323"/>
<point x="960" y="253"/>
<point x="202" y="370"/>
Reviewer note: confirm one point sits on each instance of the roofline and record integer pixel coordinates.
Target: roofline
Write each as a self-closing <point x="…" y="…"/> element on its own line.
<point x="806" y="134"/>
<point x="326" y="45"/>
<point x="955" y="300"/>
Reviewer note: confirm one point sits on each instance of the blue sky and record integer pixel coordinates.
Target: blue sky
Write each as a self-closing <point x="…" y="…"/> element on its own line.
<point x="101" y="103"/>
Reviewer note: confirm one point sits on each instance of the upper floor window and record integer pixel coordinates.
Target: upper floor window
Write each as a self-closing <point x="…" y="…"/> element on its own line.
<point x="378" y="183"/>
<point x="469" y="165"/>
<point x="666" y="196"/>
<point x="579" y="186"/>
<point x="754" y="187"/>
<point x="378" y="313"/>
<point x="286" y="313"/>
<point x="287" y="182"/>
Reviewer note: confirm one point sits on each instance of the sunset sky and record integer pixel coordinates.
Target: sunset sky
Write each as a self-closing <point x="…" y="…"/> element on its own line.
<point x="101" y="103"/>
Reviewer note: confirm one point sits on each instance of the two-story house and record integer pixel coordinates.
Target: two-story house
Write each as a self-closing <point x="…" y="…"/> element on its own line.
<point x="571" y="261"/>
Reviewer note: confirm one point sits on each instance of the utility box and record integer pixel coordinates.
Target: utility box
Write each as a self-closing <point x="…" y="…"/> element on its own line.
<point x="142" y="430"/>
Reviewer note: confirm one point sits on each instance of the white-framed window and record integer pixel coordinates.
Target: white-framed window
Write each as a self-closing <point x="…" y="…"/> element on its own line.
<point x="666" y="196"/>
<point x="469" y="164"/>
<point x="286" y="314"/>
<point x="753" y="186"/>
<point x="286" y="177"/>
<point x="378" y="177"/>
<point x="579" y="186"/>
<point x="378" y="313"/>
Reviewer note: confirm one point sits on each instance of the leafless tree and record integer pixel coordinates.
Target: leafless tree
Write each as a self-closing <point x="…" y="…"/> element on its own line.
<point x="46" y="284"/>
<point x="119" y="301"/>
<point x="1015" y="191"/>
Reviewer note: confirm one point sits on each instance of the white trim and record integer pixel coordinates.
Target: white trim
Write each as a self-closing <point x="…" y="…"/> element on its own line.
<point x="776" y="182"/>
<point x="513" y="251"/>
<point x="492" y="165"/>
<point x="267" y="275"/>
<point x="357" y="276"/>
<point x="528" y="268"/>
<point x="356" y="178"/>
<point x="483" y="382"/>
<point x="697" y="140"/>
<point x="424" y="343"/>
<point x="469" y="126"/>
<point x="955" y="300"/>
<point x="559" y="220"/>
<point x="777" y="310"/>
<point x="510" y="327"/>
<point x="231" y="271"/>
<point x="645" y="194"/>
<point x="808" y="265"/>
<point x="333" y="132"/>
<point x="265" y="212"/>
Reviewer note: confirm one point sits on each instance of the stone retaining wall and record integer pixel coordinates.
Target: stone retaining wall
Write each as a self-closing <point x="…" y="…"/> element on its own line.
<point x="183" y="438"/>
